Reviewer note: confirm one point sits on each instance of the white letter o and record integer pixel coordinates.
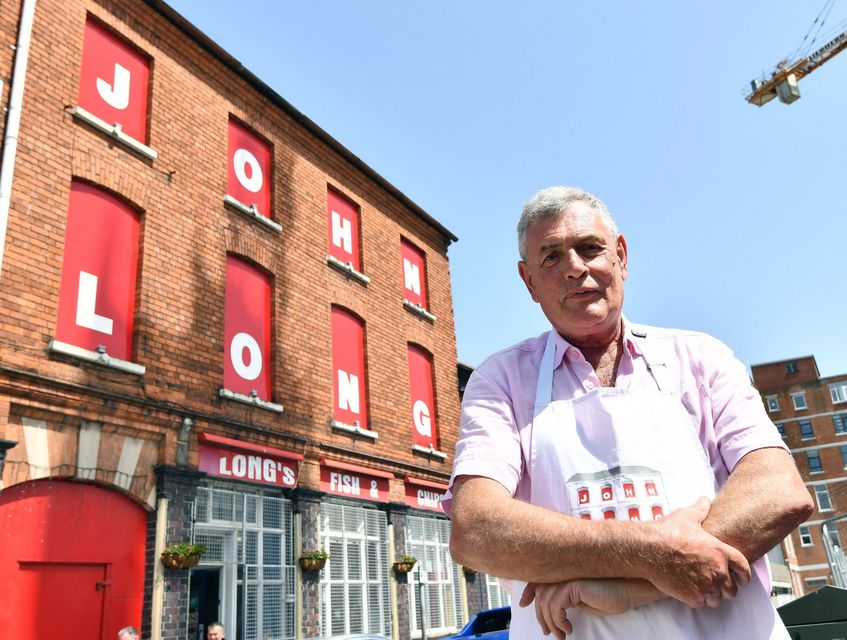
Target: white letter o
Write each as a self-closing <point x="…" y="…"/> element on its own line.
<point x="240" y="342"/>
<point x="240" y="159"/>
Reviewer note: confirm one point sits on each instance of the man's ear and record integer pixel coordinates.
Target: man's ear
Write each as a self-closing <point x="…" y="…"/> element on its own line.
<point x="526" y="276"/>
<point x="622" y="255"/>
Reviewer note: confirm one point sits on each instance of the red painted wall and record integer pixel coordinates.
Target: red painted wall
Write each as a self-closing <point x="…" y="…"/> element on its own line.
<point x="72" y="561"/>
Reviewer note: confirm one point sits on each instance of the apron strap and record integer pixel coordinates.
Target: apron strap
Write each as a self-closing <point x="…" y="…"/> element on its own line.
<point x="657" y="368"/>
<point x="544" y="388"/>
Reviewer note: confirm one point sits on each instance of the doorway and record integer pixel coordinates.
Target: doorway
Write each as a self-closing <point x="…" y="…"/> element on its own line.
<point x="204" y="601"/>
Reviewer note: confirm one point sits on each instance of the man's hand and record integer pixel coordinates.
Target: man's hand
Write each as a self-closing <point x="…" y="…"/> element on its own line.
<point x="691" y="565"/>
<point x="595" y="597"/>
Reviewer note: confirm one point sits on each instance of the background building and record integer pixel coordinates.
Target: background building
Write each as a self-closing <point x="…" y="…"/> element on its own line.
<point x="218" y="325"/>
<point x="811" y="414"/>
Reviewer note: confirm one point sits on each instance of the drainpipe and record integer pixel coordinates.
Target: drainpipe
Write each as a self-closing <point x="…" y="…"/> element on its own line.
<point x="13" y="119"/>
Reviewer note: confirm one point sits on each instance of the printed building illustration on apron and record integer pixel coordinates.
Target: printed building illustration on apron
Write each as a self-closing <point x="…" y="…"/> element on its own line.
<point x="621" y="493"/>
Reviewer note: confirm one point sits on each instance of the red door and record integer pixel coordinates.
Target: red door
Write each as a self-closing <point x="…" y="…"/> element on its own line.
<point x="71" y="558"/>
<point x="50" y="582"/>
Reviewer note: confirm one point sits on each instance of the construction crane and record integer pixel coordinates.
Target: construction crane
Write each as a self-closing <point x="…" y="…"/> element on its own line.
<point x="782" y="80"/>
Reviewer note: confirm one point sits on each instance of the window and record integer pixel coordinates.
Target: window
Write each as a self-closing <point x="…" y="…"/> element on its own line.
<point x="247" y="330"/>
<point x="806" y="431"/>
<point x="791" y="367"/>
<point x="256" y="532"/>
<point x="805" y="536"/>
<point x="354" y="585"/>
<point x="97" y="291"/>
<point x="497" y="595"/>
<point x="348" y="370"/>
<point x="113" y="82"/>
<point x="839" y="421"/>
<point x="799" y="400"/>
<point x="428" y="539"/>
<point x="844" y="455"/>
<point x="424" y="432"/>
<point x="832" y="535"/>
<point x="773" y="403"/>
<point x="838" y="392"/>
<point x="816" y="582"/>
<point x="781" y="429"/>
<point x="814" y="458"/>
<point x="414" y="276"/>
<point x="343" y="227"/>
<point x="822" y="494"/>
<point x="248" y="176"/>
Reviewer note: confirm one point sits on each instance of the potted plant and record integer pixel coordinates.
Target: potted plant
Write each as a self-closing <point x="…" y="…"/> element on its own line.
<point x="313" y="559"/>
<point x="182" y="555"/>
<point x="404" y="564"/>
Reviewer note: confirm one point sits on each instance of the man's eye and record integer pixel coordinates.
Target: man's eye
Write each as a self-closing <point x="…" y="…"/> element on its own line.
<point x="550" y="257"/>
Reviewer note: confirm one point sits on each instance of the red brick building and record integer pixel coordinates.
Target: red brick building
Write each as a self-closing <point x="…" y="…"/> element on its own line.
<point x="217" y="325"/>
<point x="811" y="414"/>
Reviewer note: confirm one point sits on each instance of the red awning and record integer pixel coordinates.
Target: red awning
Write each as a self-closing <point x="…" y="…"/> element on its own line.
<point x="346" y="466"/>
<point x="232" y="443"/>
<point x="426" y="483"/>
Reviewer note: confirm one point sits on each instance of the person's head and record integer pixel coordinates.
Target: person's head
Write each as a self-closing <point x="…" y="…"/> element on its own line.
<point x="215" y="631"/>
<point x="574" y="263"/>
<point x="128" y="633"/>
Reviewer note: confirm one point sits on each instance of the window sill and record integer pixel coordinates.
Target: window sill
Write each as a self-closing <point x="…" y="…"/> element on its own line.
<point x="115" y="131"/>
<point x="347" y="269"/>
<point x="249" y="399"/>
<point x="354" y="429"/>
<point x="97" y="357"/>
<point x="418" y="309"/>
<point x="429" y="451"/>
<point x="807" y="438"/>
<point x="815" y="473"/>
<point x="251" y="212"/>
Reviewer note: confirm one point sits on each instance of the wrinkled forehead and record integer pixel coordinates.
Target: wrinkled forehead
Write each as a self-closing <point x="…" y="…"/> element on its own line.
<point x="578" y="219"/>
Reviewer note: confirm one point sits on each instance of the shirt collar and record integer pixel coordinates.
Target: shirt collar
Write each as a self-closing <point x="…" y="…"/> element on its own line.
<point x="562" y="345"/>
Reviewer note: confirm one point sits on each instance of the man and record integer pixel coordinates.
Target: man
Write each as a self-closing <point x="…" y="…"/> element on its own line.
<point x="622" y="476"/>
<point x="128" y="633"/>
<point x="215" y="631"/>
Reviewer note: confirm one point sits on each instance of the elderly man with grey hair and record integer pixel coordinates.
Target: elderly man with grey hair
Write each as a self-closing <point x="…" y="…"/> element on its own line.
<point x="215" y="631"/>
<point x="128" y="633"/>
<point x="624" y="479"/>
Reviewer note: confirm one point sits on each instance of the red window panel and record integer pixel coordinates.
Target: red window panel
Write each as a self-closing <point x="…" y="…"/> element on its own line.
<point x="424" y="432"/>
<point x="97" y="292"/>
<point x="583" y="495"/>
<point x="249" y="169"/>
<point x="343" y="226"/>
<point x="114" y="80"/>
<point x="348" y="369"/>
<point x="247" y="329"/>
<point x="414" y="274"/>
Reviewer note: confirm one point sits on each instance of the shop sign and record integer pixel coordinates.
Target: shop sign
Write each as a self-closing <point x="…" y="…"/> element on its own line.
<point x="248" y="465"/>
<point x="422" y="494"/>
<point x="352" y="482"/>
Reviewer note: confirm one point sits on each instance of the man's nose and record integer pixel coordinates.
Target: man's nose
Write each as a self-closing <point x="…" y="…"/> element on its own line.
<point x="574" y="265"/>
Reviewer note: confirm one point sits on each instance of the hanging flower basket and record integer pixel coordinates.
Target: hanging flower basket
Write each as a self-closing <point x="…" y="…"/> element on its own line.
<point x="404" y="564"/>
<point x="313" y="560"/>
<point x="182" y="555"/>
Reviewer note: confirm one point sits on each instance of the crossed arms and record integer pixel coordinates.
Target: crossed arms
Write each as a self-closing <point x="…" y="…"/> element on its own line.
<point x="697" y="555"/>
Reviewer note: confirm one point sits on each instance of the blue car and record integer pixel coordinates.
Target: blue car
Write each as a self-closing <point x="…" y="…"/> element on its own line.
<point x="490" y="625"/>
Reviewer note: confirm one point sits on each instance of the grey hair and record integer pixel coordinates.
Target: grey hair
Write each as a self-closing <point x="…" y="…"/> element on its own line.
<point x="128" y="631"/>
<point x="552" y="202"/>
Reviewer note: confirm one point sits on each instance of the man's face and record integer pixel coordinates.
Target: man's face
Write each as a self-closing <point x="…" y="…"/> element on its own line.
<point x="575" y="270"/>
<point x="214" y="633"/>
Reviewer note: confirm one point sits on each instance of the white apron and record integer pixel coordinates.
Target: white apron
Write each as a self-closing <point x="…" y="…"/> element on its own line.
<point x="629" y="455"/>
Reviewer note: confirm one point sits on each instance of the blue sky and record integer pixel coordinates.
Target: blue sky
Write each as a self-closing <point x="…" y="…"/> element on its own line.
<point x="734" y="214"/>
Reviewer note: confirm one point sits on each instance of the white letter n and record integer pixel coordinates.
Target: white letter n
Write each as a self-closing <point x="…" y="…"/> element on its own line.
<point x="348" y="391"/>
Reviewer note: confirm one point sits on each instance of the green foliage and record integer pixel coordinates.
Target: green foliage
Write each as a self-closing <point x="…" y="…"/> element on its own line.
<point x="314" y="554"/>
<point x="185" y="549"/>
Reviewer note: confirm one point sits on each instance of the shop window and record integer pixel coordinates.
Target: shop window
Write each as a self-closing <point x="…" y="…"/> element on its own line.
<point x="113" y="87"/>
<point x="414" y="279"/>
<point x="799" y="400"/>
<point x="343" y="233"/>
<point x="248" y="179"/>
<point x="349" y="378"/>
<point x="497" y="595"/>
<point x="247" y="332"/>
<point x="97" y="291"/>
<point x="249" y="549"/>
<point x="424" y="428"/>
<point x="773" y="403"/>
<point x="428" y="539"/>
<point x="355" y="583"/>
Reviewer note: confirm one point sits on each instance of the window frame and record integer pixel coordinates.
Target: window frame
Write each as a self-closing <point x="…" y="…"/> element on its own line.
<point x="804" y="531"/>
<point x="799" y="395"/>
<point x="822" y="489"/>
<point x="773" y="403"/>
<point x="838" y="389"/>
<point x="816" y="454"/>
<point x="811" y="431"/>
